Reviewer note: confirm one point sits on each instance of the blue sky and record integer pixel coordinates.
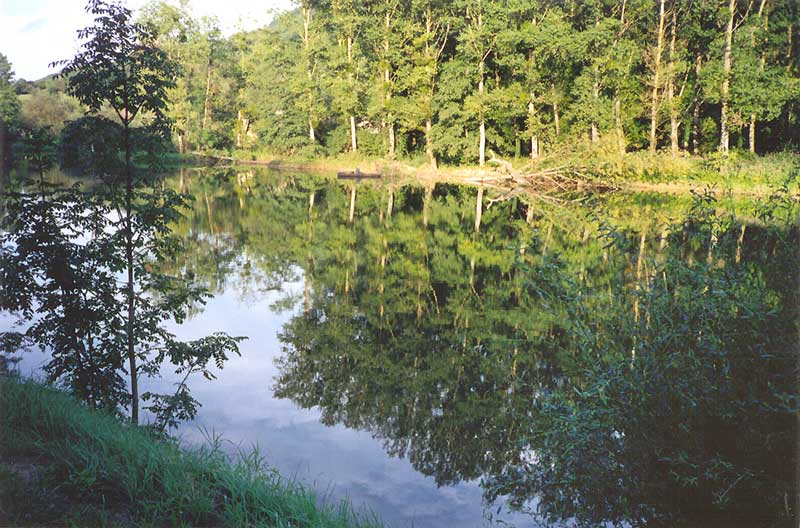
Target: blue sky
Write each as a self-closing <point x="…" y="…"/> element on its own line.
<point x="34" y="33"/>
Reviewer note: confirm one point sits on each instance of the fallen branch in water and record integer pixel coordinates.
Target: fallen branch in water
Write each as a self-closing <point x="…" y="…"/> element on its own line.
<point x="549" y="185"/>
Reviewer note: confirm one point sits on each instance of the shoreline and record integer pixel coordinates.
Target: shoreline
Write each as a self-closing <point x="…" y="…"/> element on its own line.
<point x="493" y="176"/>
<point x="134" y="477"/>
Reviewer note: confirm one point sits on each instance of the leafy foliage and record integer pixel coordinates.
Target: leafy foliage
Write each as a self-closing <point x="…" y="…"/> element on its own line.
<point x="82" y="269"/>
<point x="553" y="74"/>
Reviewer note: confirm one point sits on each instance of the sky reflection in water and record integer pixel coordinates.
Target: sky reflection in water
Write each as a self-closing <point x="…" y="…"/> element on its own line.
<point x="252" y="240"/>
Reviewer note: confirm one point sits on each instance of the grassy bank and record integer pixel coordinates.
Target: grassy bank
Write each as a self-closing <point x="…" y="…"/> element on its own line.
<point x="63" y="464"/>
<point x="636" y="171"/>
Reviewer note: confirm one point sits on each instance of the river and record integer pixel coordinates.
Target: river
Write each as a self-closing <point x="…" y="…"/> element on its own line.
<point x="394" y="348"/>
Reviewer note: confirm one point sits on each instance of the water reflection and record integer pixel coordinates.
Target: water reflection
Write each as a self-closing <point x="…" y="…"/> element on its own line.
<point x="407" y="341"/>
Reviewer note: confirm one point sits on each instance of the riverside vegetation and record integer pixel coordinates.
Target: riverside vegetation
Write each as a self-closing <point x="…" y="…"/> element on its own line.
<point x="81" y="270"/>
<point x="590" y="370"/>
<point x="539" y="338"/>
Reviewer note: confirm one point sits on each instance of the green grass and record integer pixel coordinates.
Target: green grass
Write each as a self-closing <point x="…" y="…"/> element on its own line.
<point x="740" y="169"/>
<point x="97" y="471"/>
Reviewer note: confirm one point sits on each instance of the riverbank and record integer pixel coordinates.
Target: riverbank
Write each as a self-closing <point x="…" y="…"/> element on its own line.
<point x="63" y="464"/>
<point x="740" y="173"/>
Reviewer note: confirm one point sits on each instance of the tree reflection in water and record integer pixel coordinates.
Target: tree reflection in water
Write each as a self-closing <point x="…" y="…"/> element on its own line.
<point x="625" y="361"/>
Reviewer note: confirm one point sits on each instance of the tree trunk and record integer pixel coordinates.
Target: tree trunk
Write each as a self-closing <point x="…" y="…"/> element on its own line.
<point x="352" y="204"/>
<point x="534" y="137"/>
<point x="240" y="129"/>
<point x="673" y="107"/>
<point x="547" y="238"/>
<point x="207" y="102"/>
<point x="429" y="143"/>
<point x="724" y="136"/>
<point x="130" y="293"/>
<point x="478" y="209"/>
<point x="594" y="134"/>
<point x="387" y="86"/>
<point x="618" y="124"/>
<point x="426" y="204"/>
<point x="752" y="127"/>
<point x="695" y="132"/>
<point x="210" y="214"/>
<point x="353" y="143"/>
<point x="482" y="144"/>
<point x="309" y="74"/>
<point x="555" y="109"/>
<point x="739" y="243"/>
<point x="656" y="78"/>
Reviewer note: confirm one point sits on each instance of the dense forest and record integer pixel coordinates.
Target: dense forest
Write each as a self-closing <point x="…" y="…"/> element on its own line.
<point x="456" y="80"/>
<point x="463" y="81"/>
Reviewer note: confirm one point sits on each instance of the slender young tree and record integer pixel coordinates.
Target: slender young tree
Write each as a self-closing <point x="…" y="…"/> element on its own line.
<point x="120" y="67"/>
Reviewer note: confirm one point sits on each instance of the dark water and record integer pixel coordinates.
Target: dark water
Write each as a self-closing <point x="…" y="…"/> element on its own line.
<point x="393" y="351"/>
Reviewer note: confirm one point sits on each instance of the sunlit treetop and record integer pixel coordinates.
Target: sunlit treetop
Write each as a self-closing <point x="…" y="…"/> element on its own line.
<point x="119" y="64"/>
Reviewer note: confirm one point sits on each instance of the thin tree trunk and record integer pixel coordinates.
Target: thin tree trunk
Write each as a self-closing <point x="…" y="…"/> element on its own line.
<point x="639" y="270"/>
<point x="307" y="13"/>
<point x="788" y="71"/>
<point x="531" y="117"/>
<point x="429" y="143"/>
<point x="389" y="206"/>
<point x="129" y="323"/>
<point x="353" y="142"/>
<point x="207" y="102"/>
<point x="618" y="124"/>
<point x="547" y="238"/>
<point x="478" y="209"/>
<point x="695" y="132"/>
<point x="739" y="243"/>
<point x="724" y="135"/>
<point x="352" y="204"/>
<point x="673" y="107"/>
<point x="482" y="145"/>
<point x="555" y="109"/>
<point x="210" y="214"/>
<point x="656" y="78"/>
<point x="426" y="204"/>
<point x="239" y="130"/>
<point x="752" y="126"/>
<point x="594" y="133"/>
<point x="387" y="86"/>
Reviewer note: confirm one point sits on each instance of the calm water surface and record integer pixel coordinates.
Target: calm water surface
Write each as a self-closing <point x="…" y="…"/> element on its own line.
<point x="389" y="344"/>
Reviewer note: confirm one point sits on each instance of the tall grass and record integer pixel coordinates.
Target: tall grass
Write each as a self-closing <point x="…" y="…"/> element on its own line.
<point x="95" y="460"/>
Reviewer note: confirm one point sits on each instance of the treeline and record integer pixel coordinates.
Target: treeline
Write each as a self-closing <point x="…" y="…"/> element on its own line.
<point x="457" y="81"/>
